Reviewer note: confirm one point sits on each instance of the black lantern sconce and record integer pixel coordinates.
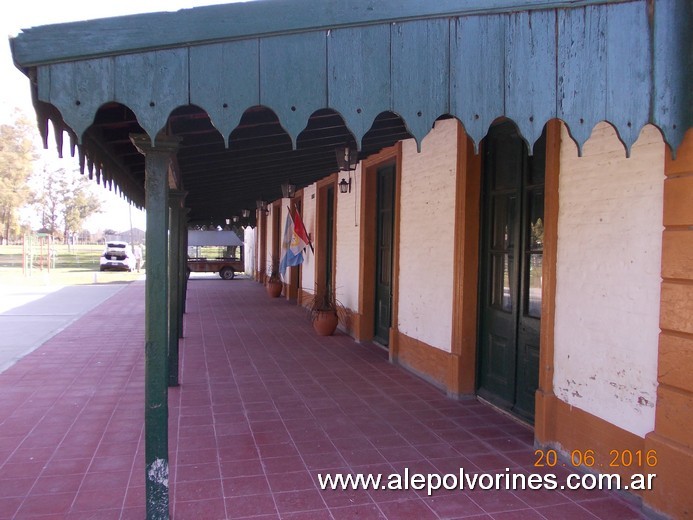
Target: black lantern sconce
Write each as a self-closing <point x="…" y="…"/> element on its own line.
<point x="344" y="186"/>
<point x="245" y="213"/>
<point x="288" y="190"/>
<point x="262" y="206"/>
<point x="347" y="159"/>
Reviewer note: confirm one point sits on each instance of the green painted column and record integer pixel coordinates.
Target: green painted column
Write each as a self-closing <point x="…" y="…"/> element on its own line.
<point x="183" y="268"/>
<point x="176" y="208"/>
<point x="158" y="161"/>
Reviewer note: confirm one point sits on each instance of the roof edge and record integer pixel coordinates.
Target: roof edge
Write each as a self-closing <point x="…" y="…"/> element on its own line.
<point x="200" y="25"/>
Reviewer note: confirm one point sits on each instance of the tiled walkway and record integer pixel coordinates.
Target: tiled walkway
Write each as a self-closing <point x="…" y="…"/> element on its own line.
<point x="264" y="406"/>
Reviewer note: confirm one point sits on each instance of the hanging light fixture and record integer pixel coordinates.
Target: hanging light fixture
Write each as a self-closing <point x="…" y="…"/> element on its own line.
<point x="288" y="190"/>
<point x="245" y="213"/>
<point x="347" y="158"/>
<point x="262" y="206"/>
<point x="236" y="218"/>
<point x="344" y="186"/>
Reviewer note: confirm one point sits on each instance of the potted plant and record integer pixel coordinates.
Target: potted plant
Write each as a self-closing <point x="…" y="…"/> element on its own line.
<point x="325" y="311"/>
<point x="273" y="281"/>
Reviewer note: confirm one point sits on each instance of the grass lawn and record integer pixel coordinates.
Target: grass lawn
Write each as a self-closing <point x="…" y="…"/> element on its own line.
<point x="78" y="265"/>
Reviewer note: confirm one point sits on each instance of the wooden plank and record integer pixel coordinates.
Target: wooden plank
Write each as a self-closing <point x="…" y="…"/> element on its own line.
<point x="209" y="24"/>
<point x="359" y="82"/>
<point x="79" y="89"/>
<point x="225" y="81"/>
<point x="629" y="67"/>
<point x="420" y="73"/>
<point x="152" y="85"/>
<point x="673" y="69"/>
<point x="530" y="71"/>
<point x="477" y="74"/>
<point x="581" y="70"/>
<point x="293" y="78"/>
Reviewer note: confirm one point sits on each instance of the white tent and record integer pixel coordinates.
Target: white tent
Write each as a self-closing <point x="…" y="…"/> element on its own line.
<point x="213" y="238"/>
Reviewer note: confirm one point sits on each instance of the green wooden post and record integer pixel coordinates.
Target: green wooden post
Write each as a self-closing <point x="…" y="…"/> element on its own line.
<point x="183" y="268"/>
<point x="157" y="162"/>
<point x="175" y="260"/>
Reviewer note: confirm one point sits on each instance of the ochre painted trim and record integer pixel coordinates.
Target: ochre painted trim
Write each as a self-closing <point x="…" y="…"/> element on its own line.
<point x="574" y="429"/>
<point x="671" y="495"/>
<point x="304" y="295"/>
<point x="355" y="320"/>
<point x="429" y="363"/>
<point x="394" y="343"/>
<point x="320" y="239"/>
<point x="542" y="412"/>
<point x="261" y="246"/>
<point x="366" y="254"/>
<point x="672" y="438"/>
<point x="462" y="366"/>
<point x="369" y="167"/>
<point x="275" y="246"/>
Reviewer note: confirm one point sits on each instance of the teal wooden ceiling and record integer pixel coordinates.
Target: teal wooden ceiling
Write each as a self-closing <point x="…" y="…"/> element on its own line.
<point x="298" y="77"/>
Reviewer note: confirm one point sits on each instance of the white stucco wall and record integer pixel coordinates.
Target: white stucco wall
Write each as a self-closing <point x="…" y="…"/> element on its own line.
<point x="427" y="212"/>
<point x="270" y="237"/>
<point x="249" y="238"/>
<point x="347" y="271"/>
<point x="308" y="216"/>
<point x="608" y="277"/>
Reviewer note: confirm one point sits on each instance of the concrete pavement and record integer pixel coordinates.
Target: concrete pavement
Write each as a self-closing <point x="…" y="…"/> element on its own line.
<point x="30" y="315"/>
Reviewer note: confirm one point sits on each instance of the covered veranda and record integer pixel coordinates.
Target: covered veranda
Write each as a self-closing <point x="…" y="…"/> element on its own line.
<point x="264" y="406"/>
<point x="199" y="114"/>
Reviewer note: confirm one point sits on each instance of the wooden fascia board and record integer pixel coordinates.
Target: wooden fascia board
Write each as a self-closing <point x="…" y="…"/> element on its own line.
<point x="261" y="18"/>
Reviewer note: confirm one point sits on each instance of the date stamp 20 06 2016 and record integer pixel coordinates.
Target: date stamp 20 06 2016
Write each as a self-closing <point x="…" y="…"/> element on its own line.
<point x="589" y="459"/>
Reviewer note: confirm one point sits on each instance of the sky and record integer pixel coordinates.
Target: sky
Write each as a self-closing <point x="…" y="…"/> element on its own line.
<point x="15" y="92"/>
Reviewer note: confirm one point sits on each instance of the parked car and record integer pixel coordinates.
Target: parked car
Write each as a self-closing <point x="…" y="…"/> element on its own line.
<point x="117" y="256"/>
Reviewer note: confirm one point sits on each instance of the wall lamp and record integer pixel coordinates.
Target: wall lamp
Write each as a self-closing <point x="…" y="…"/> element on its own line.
<point x="288" y="190"/>
<point x="347" y="159"/>
<point x="262" y="206"/>
<point x="344" y="186"/>
<point x="245" y="213"/>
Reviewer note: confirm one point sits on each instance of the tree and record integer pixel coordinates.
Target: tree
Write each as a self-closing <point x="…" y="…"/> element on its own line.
<point x="17" y="154"/>
<point x="64" y="199"/>
<point x="79" y="204"/>
<point x="47" y="199"/>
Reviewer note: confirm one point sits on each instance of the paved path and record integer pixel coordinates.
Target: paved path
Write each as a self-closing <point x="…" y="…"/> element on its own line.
<point x="264" y="407"/>
<point x="30" y="315"/>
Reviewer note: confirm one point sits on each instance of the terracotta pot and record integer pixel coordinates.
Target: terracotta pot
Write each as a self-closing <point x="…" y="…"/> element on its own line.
<point x="325" y="322"/>
<point x="274" y="289"/>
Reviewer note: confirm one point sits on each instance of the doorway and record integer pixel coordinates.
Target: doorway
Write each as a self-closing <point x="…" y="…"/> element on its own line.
<point x="510" y="282"/>
<point x="384" y="252"/>
<point x="325" y="231"/>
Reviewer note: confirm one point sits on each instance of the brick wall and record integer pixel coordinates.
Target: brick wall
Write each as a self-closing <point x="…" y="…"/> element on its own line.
<point x="608" y="277"/>
<point x="348" y="234"/>
<point x="427" y="212"/>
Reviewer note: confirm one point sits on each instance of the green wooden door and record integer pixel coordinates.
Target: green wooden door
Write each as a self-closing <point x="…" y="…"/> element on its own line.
<point x="329" y="239"/>
<point x="383" y="247"/>
<point x="510" y="278"/>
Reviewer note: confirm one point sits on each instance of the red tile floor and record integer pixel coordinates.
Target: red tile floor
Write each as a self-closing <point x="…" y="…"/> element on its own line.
<point x="263" y="407"/>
